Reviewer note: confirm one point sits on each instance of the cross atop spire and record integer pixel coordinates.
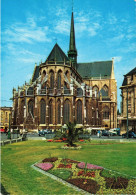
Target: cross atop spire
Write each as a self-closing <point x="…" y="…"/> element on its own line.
<point x="72" y="5"/>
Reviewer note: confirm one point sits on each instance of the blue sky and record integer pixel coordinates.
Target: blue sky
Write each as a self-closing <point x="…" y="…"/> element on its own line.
<point x="30" y="28"/>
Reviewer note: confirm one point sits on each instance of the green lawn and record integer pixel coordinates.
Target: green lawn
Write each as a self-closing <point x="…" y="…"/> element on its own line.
<point x="19" y="178"/>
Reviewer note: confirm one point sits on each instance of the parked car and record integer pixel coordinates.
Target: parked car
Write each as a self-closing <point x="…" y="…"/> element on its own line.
<point x="2" y="130"/>
<point x="131" y="134"/>
<point x="105" y="133"/>
<point x="44" y="131"/>
<point x="113" y="132"/>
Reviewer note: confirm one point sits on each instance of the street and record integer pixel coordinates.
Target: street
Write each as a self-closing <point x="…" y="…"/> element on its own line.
<point x="35" y="135"/>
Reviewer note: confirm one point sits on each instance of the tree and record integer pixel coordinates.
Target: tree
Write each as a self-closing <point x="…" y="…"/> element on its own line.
<point x="72" y="134"/>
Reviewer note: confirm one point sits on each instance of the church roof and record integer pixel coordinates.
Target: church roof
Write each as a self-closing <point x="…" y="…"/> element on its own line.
<point x="35" y="74"/>
<point x="57" y="55"/>
<point x="133" y="71"/>
<point x="101" y="69"/>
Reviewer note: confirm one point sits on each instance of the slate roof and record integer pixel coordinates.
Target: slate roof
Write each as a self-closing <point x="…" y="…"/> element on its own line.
<point x="35" y="74"/>
<point x="133" y="71"/>
<point x="101" y="69"/>
<point x="57" y="55"/>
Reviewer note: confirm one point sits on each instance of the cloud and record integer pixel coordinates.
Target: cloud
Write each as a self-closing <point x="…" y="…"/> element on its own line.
<point x="117" y="58"/>
<point x="62" y="27"/>
<point x="28" y="32"/>
<point x="89" y="23"/>
<point x="112" y="19"/>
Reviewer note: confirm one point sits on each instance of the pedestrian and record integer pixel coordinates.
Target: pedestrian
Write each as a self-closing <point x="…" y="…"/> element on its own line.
<point x="98" y="133"/>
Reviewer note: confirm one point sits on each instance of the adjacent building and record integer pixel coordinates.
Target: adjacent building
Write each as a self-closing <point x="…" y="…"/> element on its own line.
<point x="128" y="104"/>
<point x="63" y="90"/>
<point x="5" y="113"/>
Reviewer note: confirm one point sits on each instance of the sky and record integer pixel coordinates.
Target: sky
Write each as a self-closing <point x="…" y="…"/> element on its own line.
<point x="30" y="28"/>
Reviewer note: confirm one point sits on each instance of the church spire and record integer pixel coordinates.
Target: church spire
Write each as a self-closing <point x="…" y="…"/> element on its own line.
<point x="72" y="53"/>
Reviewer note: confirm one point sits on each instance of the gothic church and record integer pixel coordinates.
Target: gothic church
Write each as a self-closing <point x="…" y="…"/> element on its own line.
<point x="63" y="90"/>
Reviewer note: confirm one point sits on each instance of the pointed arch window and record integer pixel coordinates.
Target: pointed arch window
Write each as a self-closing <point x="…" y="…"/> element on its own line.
<point x="66" y="111"/>
<point x="79" y="112"/>
<point x="87" y="112"/>
<point x="22" y="111"/>
<point x="95" y="91"/>
<point x="104" y="91"/>
<point x="42" y="111"/>
<point x="106" y="112"/>
<point x="59" y="80"/>
<point x="51" y="112"/>
<point x="94" y="117"/>
<point x="51" y="80"/>
<point x="59" y="112"/>
<point x="31" y="107"/>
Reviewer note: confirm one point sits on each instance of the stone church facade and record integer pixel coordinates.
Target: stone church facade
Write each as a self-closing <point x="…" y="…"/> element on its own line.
<point x="63" y="90"/>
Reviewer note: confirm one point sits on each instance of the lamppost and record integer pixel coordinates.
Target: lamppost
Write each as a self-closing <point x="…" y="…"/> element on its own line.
<point x="127" y="112"/>
<point x="9" y="132"/>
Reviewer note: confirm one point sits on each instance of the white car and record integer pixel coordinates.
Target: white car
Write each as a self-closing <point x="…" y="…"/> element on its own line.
<point x="113" y="132"/>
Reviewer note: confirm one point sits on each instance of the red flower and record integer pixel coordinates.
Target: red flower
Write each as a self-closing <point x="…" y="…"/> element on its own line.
<point x="58" y="140"/>
<point x="64" y="139"/>
<point x="50" y="140"/>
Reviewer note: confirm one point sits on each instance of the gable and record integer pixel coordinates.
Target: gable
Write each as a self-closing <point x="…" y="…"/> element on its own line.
<point x="57" y="55"/>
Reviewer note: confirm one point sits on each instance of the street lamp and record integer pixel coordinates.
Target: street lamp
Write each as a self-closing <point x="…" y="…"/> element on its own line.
<point x="127" y="112"/>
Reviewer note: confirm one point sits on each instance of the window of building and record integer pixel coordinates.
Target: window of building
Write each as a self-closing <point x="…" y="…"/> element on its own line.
<point x="30" y="91"/>
<point x="106" y="112"/>
<point x="104" y="91"/>
<point x="87" y="112"/>
<point x="128" y="80"/>
<point x="79" y="92"/>
<point x="59" y="112"/>
<point x="42" y="111"/>
<point x="22" y="111"/>
<point x="66" y="111"/>
<point x="79" y="112"/>
<point x="51" y="112"/>
<point x="51" y="80"/>
<point x="59" y="80"/>
<point x="95" y="91"/>
<point x="31" y="107"/>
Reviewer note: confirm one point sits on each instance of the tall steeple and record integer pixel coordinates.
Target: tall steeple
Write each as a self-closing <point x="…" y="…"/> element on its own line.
<point x="72" y="53"/>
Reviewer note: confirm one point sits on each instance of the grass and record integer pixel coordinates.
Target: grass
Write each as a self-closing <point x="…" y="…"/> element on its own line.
<point x="63" y="174"/>
<point x="17" y="158"/>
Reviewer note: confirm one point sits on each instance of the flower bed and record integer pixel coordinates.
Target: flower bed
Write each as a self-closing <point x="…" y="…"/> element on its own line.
<point x="44" y="166"/>
<point x="89" y="177"/>
<point x="82" y="165"/>
<point x="52" y="159"/>
<point x="68" y="166"/>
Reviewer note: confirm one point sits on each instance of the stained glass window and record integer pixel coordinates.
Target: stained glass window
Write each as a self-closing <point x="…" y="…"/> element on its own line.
<point x="66" y="111"/>
<point x="79" y="112"/>
<point x="42" y="111"/>
<point x="59" y="112"/>
<point x="106" y="112"/>
<point x="31" y="107"/>
<point x="50" y="112"/>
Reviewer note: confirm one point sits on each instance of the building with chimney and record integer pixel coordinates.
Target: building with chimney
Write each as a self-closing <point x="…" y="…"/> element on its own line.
<point x="128" y="104"/>
<point x="63" y="90"/>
